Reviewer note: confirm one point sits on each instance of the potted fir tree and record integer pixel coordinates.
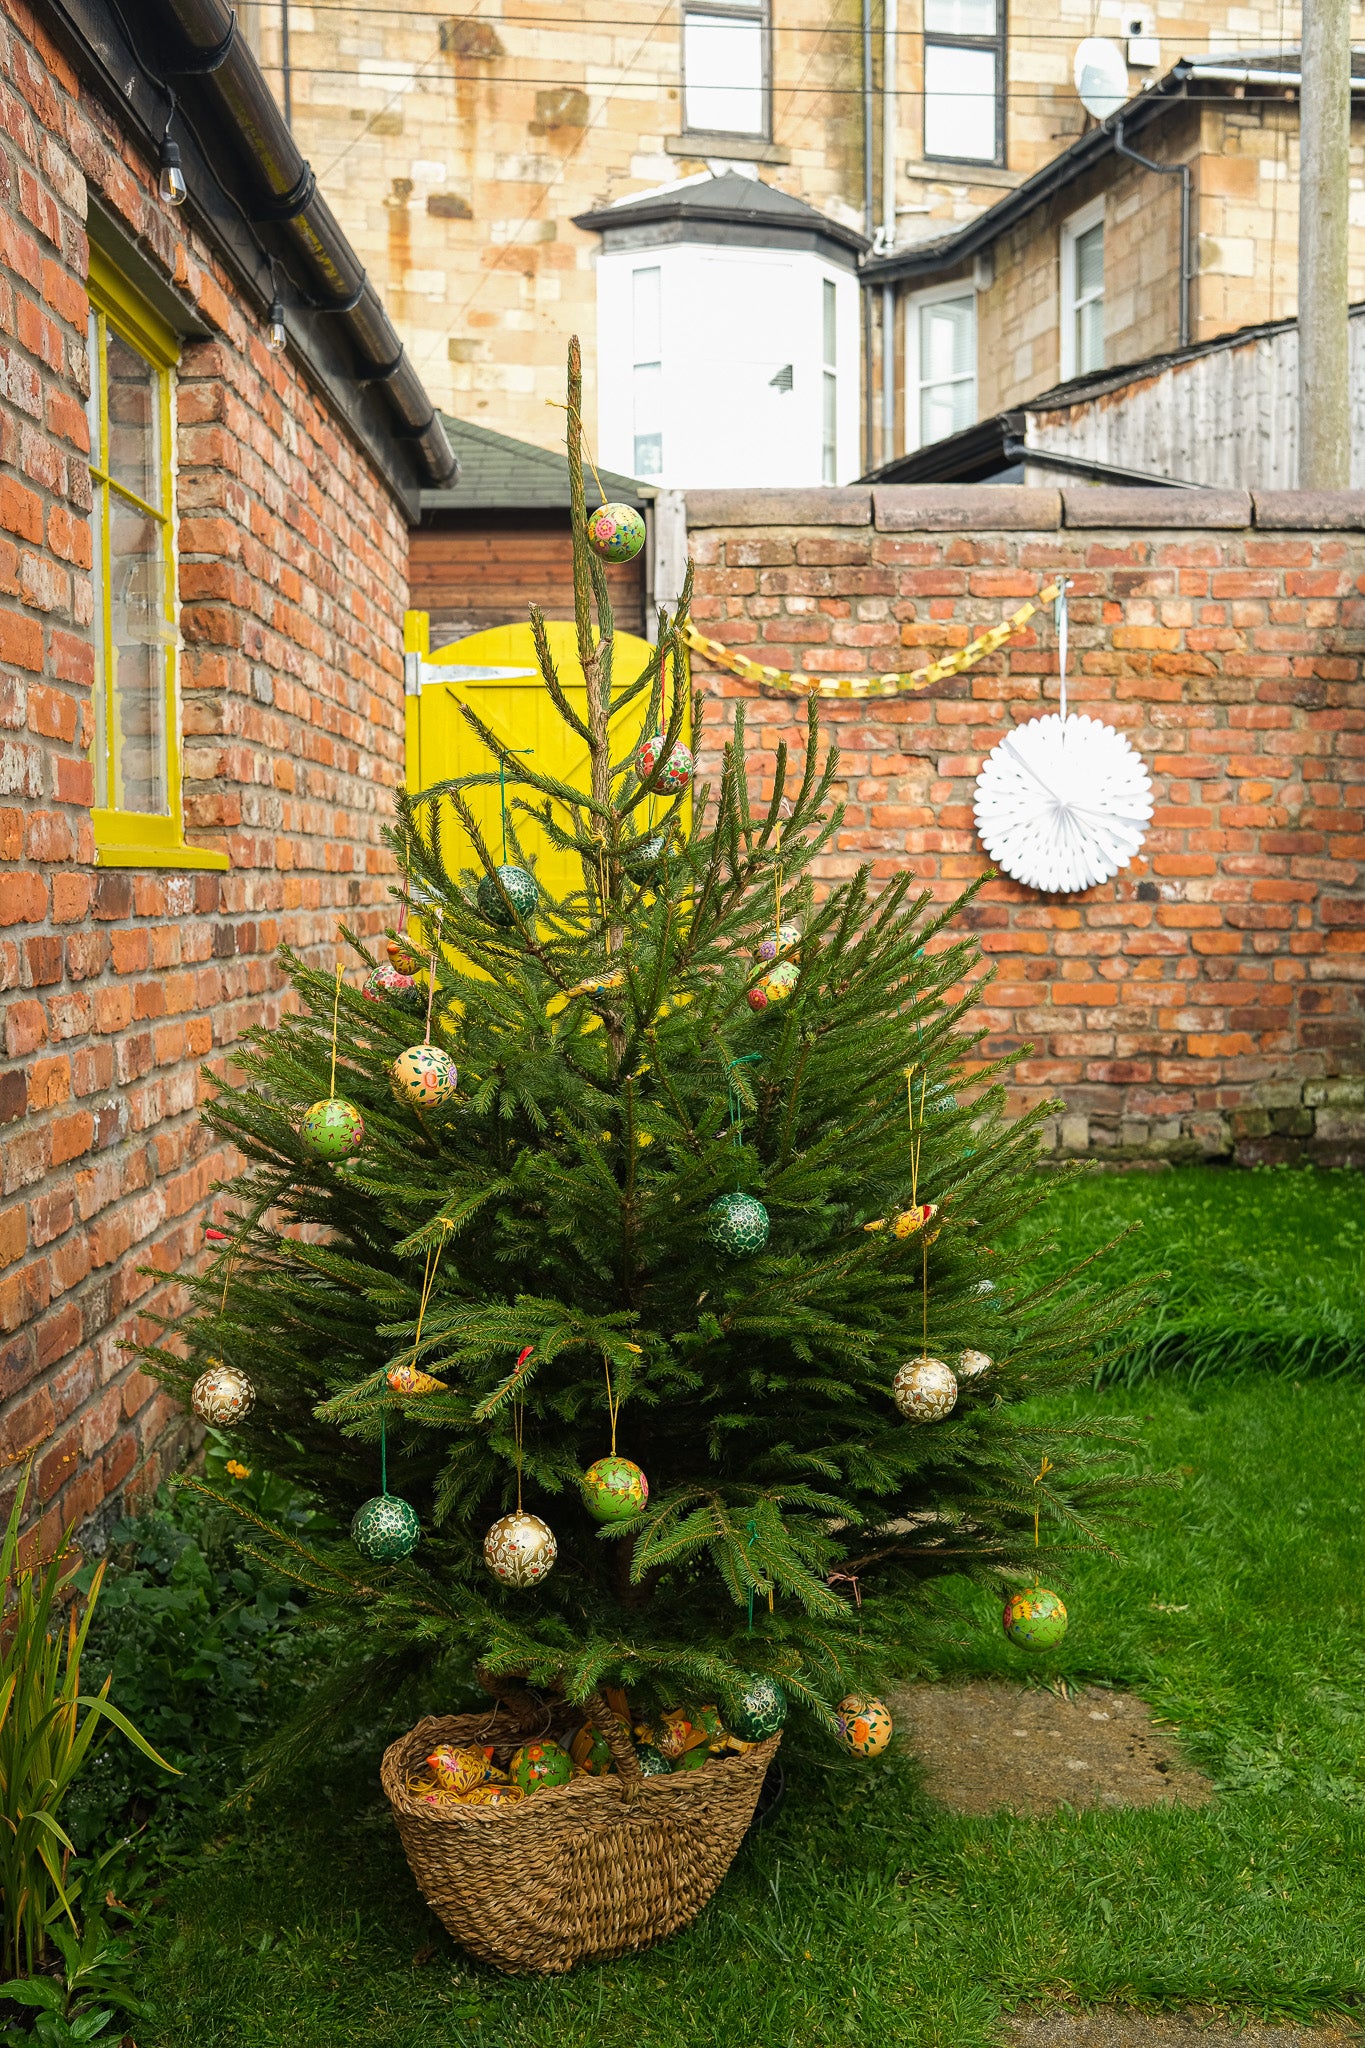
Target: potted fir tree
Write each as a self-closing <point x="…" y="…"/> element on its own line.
<point x="648" y="1319"/>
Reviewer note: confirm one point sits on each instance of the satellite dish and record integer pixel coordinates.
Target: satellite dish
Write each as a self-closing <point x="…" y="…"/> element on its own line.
<point x="1101" y="74"/>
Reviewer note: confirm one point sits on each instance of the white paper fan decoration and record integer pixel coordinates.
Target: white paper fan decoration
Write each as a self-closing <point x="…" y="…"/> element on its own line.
<point x="1063" y="803"/>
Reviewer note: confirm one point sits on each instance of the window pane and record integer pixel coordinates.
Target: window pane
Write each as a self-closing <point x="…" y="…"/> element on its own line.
<point x="829" y="465"/>
<point x="647" y="394"/>
<point x="1090" y="335"/>
<point x="947" y="343"/>
<point x="723" y="70"/>
<point x="104" y="796"/>
<point x="141" y="633"/>
<point x="959" y="103"/>
<point x="959" y="17"/>
<point x="132" y="421"/>
<point x="1090" y="261"/>
<point x="945" y="408"/>
<point x="646" y="311"/>
<point x="831" y="335"/>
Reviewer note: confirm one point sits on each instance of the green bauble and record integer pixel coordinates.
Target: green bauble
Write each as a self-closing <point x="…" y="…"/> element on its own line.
<point x="332" y="1129"/>
<point x="615" y="532"/>
<point x="756" y="1709"/>
<point x="520" y="890"/>
<point x="1034" y="1619"/>
<point x="644" y="859"/>
<point x="653" y="1763"/>
<point x="693" y="1759"/>
<point x="614" y="1489"/>
<point x="538" y="1764"/>
<point x="738" y="1225"/>
<point x="385" y="1529"/>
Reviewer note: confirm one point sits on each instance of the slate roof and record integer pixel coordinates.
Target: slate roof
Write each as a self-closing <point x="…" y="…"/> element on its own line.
<point x="497" y="472"/>
<point x="730" y="199"/>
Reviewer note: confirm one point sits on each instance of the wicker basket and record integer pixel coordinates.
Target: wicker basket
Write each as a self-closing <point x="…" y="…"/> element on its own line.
<point x="598" y="1867"/>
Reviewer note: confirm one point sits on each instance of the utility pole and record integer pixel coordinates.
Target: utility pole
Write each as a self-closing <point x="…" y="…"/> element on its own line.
<point x="1324" y="333"/>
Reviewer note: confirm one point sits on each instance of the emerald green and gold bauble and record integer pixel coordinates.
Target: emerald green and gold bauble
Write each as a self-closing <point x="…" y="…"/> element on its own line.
<point x="755" y="1709"/>
<point x="614" y="1489"/>
<point x="385" y="1529"/>
<point x="517" y="898"/>
<point x="738" y="1225"/>
<point x="333" y="1129"/>
<point x="653" y="1763"/>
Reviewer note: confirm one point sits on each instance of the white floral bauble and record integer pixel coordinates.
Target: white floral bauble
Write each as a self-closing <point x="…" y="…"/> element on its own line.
<point x="925" y="1390"/>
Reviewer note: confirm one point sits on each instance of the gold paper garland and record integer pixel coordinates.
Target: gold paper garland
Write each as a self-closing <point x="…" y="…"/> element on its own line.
<point x="784" y="681"/>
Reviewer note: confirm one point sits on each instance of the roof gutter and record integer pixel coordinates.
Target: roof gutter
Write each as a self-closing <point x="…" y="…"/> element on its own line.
<point x="230" y="79"/>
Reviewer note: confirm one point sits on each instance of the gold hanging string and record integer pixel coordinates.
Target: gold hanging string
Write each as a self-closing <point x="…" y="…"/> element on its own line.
<point x="1043" y="1471"/>
<point x="916" y="1141"/>
<point x="560" y="406"/>
<point x="336" y="1005"/>
<point x="431" y="973"/>
<point x="795" y="682"/>
<point x="428" y="1282"/>
<point x="613" y="1401"/>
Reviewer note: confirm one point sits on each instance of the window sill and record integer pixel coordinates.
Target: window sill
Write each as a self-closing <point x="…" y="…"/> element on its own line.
<point x="747" y="149"/>
<point x="932" y="170"/>
<point x="160" y="857"/>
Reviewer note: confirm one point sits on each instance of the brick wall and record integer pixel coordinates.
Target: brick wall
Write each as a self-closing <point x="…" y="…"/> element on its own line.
<point x="116" y="984"/>
<point x="1209" y="1000"/>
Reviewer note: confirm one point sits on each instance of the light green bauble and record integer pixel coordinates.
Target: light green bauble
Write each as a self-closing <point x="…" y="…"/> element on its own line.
<point x="738" y="1225"/>
<point x="520" y="890"/>
<point x="615" y="532"/>
<point x="653" y="1763"/>
<point x="755" y="1709"/>
<point x="385" y="1529"/>
<point x="693" y="1759"/>
<point x="1034" y="1619"/>
<point x="614" y="1489"/>
<point x="332" y="1129"/>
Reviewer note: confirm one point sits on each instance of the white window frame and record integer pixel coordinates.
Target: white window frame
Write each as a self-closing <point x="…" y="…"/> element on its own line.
<point x="753" y="14"/>
<point x="1076" y="225"/>
<point x="961" y="288"/>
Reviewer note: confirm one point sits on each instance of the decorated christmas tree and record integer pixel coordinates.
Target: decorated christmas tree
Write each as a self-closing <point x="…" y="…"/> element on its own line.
<point x="628" y="1269"/>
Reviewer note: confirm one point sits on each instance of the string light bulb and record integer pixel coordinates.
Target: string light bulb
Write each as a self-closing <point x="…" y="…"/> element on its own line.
<point x="276" y="333"/>
<point x="170" y="179"/>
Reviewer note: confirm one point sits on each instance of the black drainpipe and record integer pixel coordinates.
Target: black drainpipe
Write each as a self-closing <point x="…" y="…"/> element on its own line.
<point x="870" y="229"/>
<point x="1181" y="171"/>
<point x="229" y="74"/>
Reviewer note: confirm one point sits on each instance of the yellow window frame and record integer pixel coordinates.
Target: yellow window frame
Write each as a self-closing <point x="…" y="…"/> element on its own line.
<point x="136" y="839"/>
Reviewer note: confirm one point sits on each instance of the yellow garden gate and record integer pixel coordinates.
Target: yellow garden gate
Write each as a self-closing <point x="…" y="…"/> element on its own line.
<point x="496" y="674"/>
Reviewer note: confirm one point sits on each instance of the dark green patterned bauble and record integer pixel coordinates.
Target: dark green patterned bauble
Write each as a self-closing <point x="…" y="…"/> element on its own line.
<point x="385" y="1529"/>
<point x="520" y="889"/>
<point x="756" y="1709"/>
<point x="653" y="1763"/>
<point x="738" y="1225"/>
<point x="642" y="862"/>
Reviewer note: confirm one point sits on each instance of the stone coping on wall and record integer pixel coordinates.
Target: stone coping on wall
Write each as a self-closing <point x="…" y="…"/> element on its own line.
<point x="1020" y="508"/>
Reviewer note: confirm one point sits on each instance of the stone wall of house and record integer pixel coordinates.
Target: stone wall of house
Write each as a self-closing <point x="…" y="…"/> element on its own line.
<point x="1209" y="1001"/>
<point x="118" y="984"/>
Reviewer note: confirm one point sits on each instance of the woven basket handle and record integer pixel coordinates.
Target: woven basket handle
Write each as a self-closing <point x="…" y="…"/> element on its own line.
<point x="526" y="1712"/>
<point x="618" y="1742"/>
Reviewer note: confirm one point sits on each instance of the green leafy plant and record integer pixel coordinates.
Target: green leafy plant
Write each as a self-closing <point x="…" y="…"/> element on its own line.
<point x="49" y="1731"/>
<point x="77" y="2001"/>
<point x="202" y="1644"/>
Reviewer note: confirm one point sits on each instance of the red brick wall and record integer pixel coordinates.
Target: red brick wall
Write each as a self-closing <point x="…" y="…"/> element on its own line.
<point x="116" y="984"/>
<point x="1210" y="999"/>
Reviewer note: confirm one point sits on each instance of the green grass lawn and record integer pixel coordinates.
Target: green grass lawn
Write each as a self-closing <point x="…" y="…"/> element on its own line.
<point x="1266" y="1269"/>
<point x="861" y="1917"/>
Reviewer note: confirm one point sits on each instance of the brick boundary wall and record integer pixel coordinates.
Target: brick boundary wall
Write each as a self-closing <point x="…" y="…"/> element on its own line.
<point x="116" y="984"/>
<point x="1207" y="1003"/>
